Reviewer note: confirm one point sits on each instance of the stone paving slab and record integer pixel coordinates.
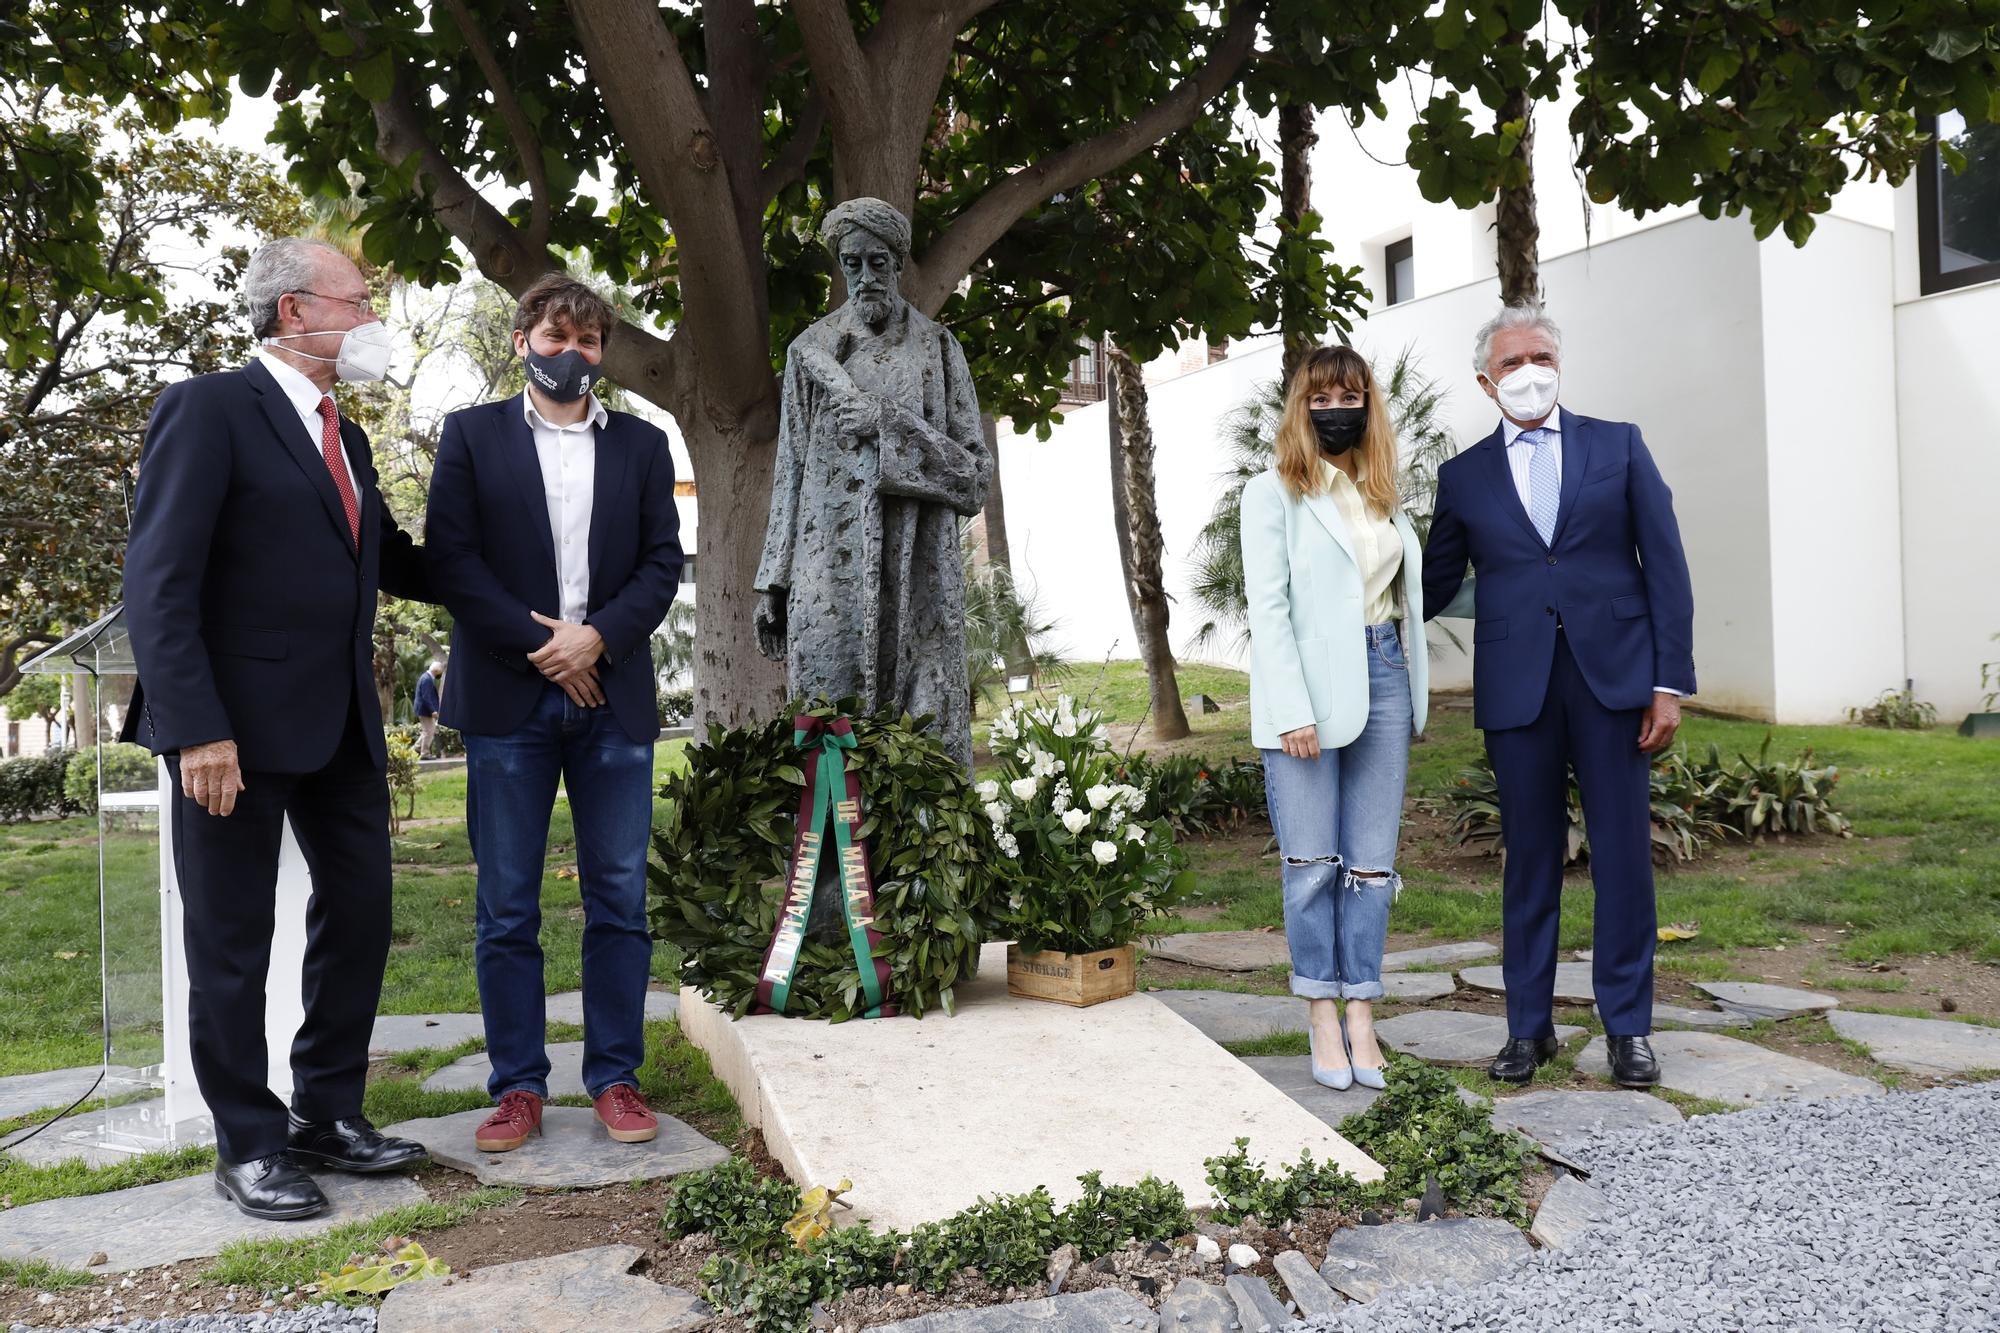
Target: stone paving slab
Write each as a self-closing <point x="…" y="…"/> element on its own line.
<point x="1756" y="999"/>
<point x="177" y="1220"/>
<point x="1232" y="1016"/>
<point x="1225" y="950"/>
<point x="1697" y="1018"/>
<point x="422" y="1032"/>
<point x="78" y="1136"/>
<point x="567" y="1006"/>
<point x="1308" y="1290"/>
<point x="1256" y="1308"/>
<point x="471" y="1072"/>
<point x="580" y="1292"/>
<point x="1568" y="1210"/>
<point x="54" y="1089"/>
<point x="1196" y="1307"/>
<point x="1105" y="1310"/>
<point x="1431" y="955"/>
<point x="1292" y="1075"/>
<point x="1363" y="1262"/>
<point x="573" y="1150"/>
<point x="1447" y="1037"/>
<point x="927" y="1116"/>
<point x="1921" y="1045"/>
<point x="1727" y="1069"/>
<point x="1555" y="1117"/>
<point x="1573" y="983"/>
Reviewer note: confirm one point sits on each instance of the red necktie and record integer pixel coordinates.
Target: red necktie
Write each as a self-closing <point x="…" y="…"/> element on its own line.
<point x="329" y="447"/>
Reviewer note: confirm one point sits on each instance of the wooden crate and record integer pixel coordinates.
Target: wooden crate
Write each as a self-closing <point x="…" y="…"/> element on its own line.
<point x="1070" y="978"/>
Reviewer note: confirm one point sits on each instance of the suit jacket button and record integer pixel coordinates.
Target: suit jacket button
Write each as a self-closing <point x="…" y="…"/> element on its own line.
<point x="1552" y="560"/>
<point x="1550" y="609"/>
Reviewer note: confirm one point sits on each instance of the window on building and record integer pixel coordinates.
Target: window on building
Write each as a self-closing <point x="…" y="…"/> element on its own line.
<point x="687" y="569"/>
<point x="1088" y="375"/>
<point x="1399" y="266"/>
<point x="1958" y="213"/>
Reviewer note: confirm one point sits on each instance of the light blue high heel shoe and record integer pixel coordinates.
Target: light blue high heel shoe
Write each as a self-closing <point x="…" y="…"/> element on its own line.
<point x="1340" y="1080"/>
<point x="1367" y="1078"/>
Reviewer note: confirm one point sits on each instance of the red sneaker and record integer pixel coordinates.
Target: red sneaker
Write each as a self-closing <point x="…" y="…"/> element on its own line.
<point x="625" y="1116"/>
<point x="518" y="1115"/>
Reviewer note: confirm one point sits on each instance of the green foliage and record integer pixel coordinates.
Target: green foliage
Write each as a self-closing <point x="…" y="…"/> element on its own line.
<point x="39" y="1275"/>
<point x="1083" y="870"/>
<point x="127" y="767"/>
<point x="1989" y="680"/>
<point x="724" y="834"/>
<point x="1243" y="1188"/>
<point x="675" y="706"/>
<point x="1105" y="1216"/>
<point x="1006" y="632"/>
<point x="403" y="772"/>
<point x="1420" y="1127"/>
<point x="1694" y="804"/>
<point x="449" y="740"/>
<point x="1196" y="794"/>
<point x="1008" y="1239"/>
<point x="293" y="1261"/>
<point x="34" y="787"/>
<point x="1897" y="710"/>
<point x="39" y="695"/>
<point x="731" y="1202"/>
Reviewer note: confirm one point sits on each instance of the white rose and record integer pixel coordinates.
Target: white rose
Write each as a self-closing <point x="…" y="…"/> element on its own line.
<point x="1135" y="833"/>
<point x="996" y="812"/>
<point x="1074" y="820"/>
<point x="988" y="790"/>
<point x="1099" y="796"/>
<point x="1024" y="788"/>
<point x="1105" y="852"/>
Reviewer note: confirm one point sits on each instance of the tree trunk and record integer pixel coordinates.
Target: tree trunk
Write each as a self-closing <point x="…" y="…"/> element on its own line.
<point x="734" y="684"/>
<point x="84" y="709"/>
<point x="1517" y="232"/>
<point x="1141" y="547"/>
<point x="1296" y="138"/>
<point x="385" y="670"/>
<point x="998" y="554"/>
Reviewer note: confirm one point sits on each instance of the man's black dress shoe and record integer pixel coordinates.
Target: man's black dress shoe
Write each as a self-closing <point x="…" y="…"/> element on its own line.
<point x="352" y="1145"/>
<point x="271" y="1187"/>
<point x="1633" y="1064"/>
<point x="1521" y="1056"/>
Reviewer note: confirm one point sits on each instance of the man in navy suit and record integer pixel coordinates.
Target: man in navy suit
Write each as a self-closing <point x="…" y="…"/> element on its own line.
<point x="258" y="542"/>
<point x="554" y="541"/>
<point x="1583" y="644"/>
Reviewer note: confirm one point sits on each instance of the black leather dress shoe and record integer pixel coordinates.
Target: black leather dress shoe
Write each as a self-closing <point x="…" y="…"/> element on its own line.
<point x="1633" y="1064"/>
<point x="1521" y="1056"/>
<point x="352" y="1145"/>
<point x="274" y="1188"/>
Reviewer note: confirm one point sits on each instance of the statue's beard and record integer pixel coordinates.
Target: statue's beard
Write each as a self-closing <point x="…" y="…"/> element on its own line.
<point x="875" y="310"/>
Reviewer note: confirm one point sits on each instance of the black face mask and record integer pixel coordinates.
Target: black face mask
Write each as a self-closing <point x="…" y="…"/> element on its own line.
<point x="1339" y="428"/>
<point x="564" y="377"/>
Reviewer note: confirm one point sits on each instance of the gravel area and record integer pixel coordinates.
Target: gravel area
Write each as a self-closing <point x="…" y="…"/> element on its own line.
<point x="326" y="1317"/>
<point x="1855" y="1213"/>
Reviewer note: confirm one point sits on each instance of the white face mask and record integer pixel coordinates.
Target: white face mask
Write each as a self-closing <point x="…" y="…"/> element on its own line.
<point x="364" y="351"/>
<point x="1528" y="393"/>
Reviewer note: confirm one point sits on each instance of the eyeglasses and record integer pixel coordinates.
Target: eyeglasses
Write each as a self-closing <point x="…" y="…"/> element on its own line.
<point x="363" y="305"/>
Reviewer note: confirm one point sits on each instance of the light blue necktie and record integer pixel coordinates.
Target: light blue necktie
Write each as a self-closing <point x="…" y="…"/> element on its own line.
<point x="1544" y="489"/>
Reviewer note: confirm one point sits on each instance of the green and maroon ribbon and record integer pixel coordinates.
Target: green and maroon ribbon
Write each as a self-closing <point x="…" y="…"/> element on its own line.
<point x="831" y="793"/>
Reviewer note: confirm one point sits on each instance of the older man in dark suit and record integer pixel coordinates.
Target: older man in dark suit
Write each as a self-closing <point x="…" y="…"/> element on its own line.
<point x="259" y="540"/>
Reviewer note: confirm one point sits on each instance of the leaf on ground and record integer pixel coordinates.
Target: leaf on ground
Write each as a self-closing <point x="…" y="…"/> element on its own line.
<point x="454" y="902"/>
<point x="1679" y="930"/>
<point x="815" y="1215"/>
<point x="66" y="955"/>
<point x="567" y="872"/>
<point x="398" y="1261"/>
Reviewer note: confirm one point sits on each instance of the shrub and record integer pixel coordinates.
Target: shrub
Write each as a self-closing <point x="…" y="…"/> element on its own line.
<point x="33" y="787"/>
<point x="1770" y="796"/>
<point x="1896" y="710"/>
<point x="1196" y="794"/>
<point x="126" y="768"/>
<point x="1421" y="1127"/>
<point x="403" y="772"/>
<point x="1242" y="1187"/>
<point x="731" y="1202"/>
<point x="676" y="706"/>
<point x="449" y="741"/>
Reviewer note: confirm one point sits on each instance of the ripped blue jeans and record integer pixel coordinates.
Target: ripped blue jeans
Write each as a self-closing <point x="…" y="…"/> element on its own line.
<point x="1337" y="818"/>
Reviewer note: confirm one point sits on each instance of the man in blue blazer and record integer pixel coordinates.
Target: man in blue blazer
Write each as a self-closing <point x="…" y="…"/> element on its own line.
<point x="554" y="541"/>
<point x="1583" y="643"/>
<point x="258" y="542"/>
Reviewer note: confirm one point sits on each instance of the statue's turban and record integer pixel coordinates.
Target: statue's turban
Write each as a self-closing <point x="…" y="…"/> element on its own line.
<point x="878" y="219"/>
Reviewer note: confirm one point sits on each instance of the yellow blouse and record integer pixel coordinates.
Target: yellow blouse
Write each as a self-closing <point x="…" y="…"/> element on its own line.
<point x="1378" y="547"/>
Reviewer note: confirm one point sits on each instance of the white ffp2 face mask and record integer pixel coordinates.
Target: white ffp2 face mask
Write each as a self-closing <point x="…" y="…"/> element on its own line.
<point x="1528" y="393"/>
<point x="364" y="351"/>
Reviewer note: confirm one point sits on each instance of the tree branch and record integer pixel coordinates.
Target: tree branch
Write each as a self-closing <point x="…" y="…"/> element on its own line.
<point x="951" y="256"/>
<point x="527" y="144"/>
<point x="789" y="164"/>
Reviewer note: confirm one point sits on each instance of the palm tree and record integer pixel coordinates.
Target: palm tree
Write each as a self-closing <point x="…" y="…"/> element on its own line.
<point x="1249" y="432"/>
<point x="1001" y="620"/>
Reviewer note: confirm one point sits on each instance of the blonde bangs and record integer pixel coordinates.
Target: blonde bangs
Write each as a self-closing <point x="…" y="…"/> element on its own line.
<point x="1296" y="450"/>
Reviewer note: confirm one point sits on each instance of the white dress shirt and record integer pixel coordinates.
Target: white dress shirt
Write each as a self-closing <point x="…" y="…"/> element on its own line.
<point x="1520" y="456"/>
<point x="568" y="455"/>
<point x="304" y="396"/>
<point x="1378" y="547"/>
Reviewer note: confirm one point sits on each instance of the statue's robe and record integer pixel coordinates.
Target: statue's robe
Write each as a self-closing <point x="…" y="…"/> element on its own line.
<point x="863" y="531"/>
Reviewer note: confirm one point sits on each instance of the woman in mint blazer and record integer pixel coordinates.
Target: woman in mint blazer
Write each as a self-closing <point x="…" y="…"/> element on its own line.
<point x="1338" y="685"/>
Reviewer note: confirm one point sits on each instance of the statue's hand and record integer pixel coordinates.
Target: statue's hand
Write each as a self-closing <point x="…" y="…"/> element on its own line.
<point x="769" y="620"/>
<point x="859" y="414"/>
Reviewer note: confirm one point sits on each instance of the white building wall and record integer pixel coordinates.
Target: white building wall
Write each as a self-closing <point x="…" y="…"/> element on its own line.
<point x="1948" y="430"/>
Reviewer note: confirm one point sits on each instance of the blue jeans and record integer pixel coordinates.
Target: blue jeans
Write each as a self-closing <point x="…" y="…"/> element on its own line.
<point x="510" y="791"/>
<point x="1339" y="814"/>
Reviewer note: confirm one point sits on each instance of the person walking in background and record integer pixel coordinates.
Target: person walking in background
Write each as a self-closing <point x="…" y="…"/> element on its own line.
<point x="1339" y="682"/>
<point x="259" y="539"/>
<point x="554" y="541"/>
<point x="427" y="710"/>
<point x="1583" y="644"/>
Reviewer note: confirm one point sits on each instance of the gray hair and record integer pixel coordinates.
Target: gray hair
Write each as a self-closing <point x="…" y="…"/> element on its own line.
<point x="1526" y="316"/>
<point x="288" y="264"/>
